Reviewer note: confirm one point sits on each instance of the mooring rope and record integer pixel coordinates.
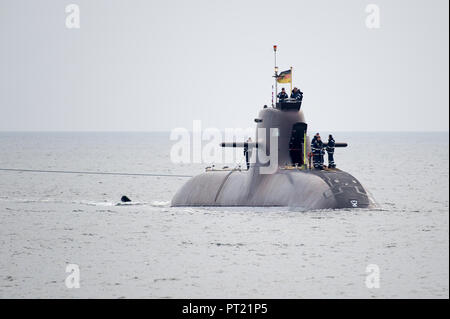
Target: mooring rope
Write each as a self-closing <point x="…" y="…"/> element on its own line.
<point x="90" y="173"/>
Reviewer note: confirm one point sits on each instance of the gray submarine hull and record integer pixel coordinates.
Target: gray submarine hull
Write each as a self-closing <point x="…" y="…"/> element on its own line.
<point x="287" y="185"/>
<point x="306" y="189"/>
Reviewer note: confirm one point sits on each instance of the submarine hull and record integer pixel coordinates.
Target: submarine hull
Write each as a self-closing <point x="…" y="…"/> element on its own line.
<point x="282" y="143"/>
<point x="306" y="189"/>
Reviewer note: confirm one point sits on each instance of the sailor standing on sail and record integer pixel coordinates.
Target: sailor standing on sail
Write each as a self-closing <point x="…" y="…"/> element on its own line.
<point x="330" y="150"/>
<point x="296" y="94"/>
<point x="317" y="151"/>
<point x="282" y="95"/>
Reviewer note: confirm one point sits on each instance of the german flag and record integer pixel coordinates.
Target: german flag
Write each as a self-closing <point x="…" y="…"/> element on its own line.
<point x="285" y="77"/>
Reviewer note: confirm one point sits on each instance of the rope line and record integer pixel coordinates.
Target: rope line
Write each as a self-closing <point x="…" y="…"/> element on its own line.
<point x="90" y="173"/>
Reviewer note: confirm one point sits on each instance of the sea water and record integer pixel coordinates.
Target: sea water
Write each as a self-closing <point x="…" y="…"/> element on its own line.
<point x="151" y="250"/>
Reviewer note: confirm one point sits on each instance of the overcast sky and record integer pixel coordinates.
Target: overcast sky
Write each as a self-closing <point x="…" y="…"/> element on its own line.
<point x="157" y="65"/>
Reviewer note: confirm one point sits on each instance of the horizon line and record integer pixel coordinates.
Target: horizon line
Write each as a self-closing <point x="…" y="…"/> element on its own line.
<point x="168" y="131"/>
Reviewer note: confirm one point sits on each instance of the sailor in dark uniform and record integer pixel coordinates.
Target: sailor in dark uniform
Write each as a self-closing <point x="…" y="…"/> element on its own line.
<point x="317" y="151"/>
<point x="248" y="152"/>
<point x="315" y="138"/>
<point x="297" y="94"/>
<point x="282" y="95"/>
<point x="322" y="154"/>
<point x="330" y="150"/>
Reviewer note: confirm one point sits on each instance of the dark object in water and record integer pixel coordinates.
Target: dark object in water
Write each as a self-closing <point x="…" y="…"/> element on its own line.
<point x="125" y="199"/>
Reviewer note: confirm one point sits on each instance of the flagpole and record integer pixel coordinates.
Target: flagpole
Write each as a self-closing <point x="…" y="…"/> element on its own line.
<point x="291" y="79"/>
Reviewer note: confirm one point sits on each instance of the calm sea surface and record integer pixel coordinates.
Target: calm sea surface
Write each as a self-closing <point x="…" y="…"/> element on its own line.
<point x="151" y="250"/>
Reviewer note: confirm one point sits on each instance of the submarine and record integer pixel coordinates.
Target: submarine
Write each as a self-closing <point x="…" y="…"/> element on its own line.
<point x="279" y="171"/>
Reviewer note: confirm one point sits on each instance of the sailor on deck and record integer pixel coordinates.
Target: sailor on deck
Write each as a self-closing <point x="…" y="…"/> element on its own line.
<point x="282" y="95"/>
<point x="330" y="150"/>
<point x="317" y="151"/>
<point x="248" y="152"/>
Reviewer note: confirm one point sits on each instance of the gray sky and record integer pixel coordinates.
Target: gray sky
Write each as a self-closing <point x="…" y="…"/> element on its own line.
<point x="157" y="65"/>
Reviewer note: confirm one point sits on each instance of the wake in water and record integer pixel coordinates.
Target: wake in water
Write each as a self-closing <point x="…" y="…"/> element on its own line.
<point x="155" y="203"/>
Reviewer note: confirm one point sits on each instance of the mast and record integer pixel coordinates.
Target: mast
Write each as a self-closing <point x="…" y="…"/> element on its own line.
<point x="276" y="72"/>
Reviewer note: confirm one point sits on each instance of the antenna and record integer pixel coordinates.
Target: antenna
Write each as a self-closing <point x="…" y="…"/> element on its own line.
<point x="276" y="72"/>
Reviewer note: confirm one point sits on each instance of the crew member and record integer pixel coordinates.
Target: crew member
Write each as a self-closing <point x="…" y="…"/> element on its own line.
<point x="314" y="138"/>
<point x="312" y="143"/>
<point x="297" y="94"/>
<point x="330" y="150"/>
<point x="322" y="154"/>
<point x="248" y="152"/>
<point x="317" y="151"/>
<point x="282" y="95"/>
<point x="310" y="154"/>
